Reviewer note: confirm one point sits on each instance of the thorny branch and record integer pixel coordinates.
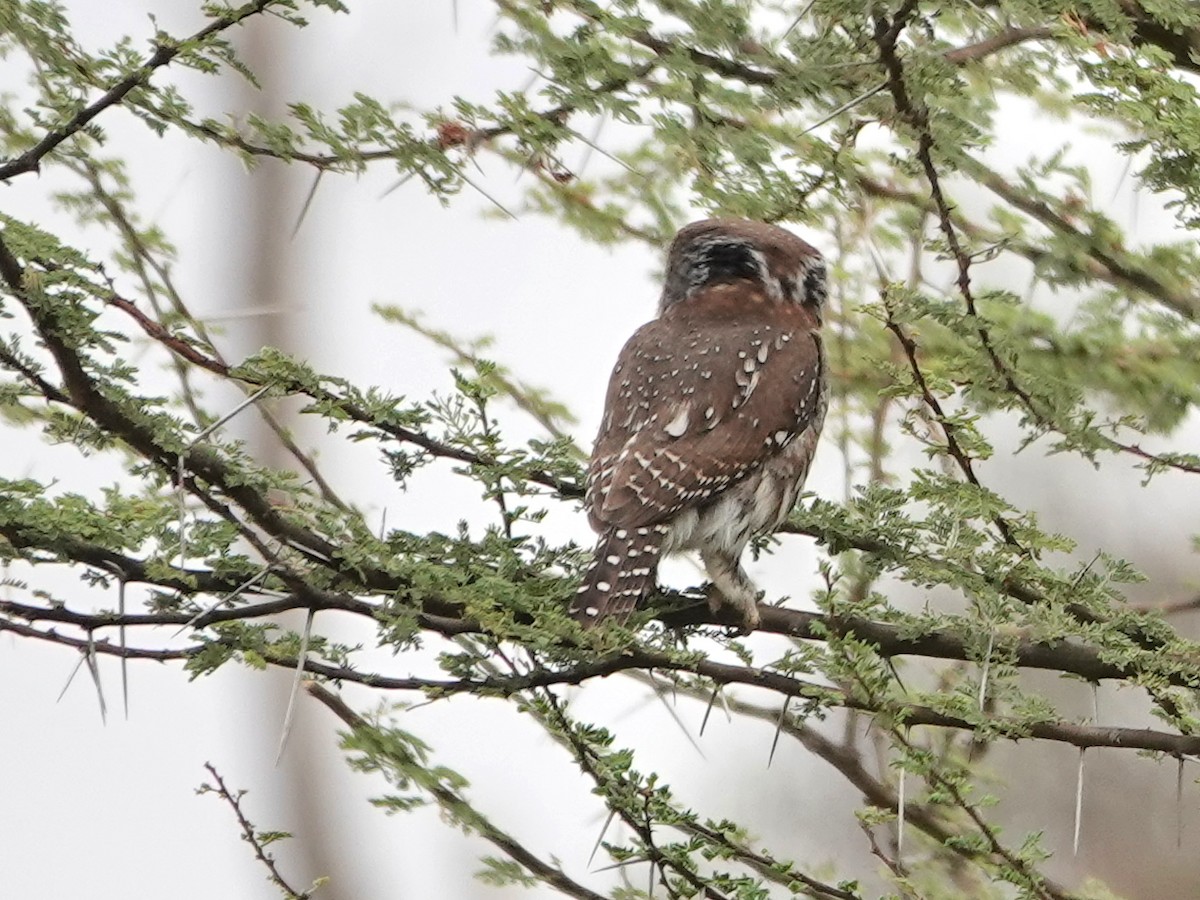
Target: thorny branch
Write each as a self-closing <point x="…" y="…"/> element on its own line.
<point x="917" y="117"/>
<point x="1109" y="265"/>
<point x="442" y="617"/>
<point x="252" y="837"/>
<point x="445" y="617"/>
<point x="629" y="660"/>
<point x="797" y="624"/>
<point x="187" y="351"/>
<point x="146" y="264"/>
<point x="585" y="756"/>
<point x="216" y="482"/>
<point x="930" y="819"/>
<point x="460" y="809"/>
<point x="164" y="53"/>
<point x="572" y="490"/>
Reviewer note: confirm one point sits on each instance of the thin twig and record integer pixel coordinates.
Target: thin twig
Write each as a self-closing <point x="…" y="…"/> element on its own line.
<point x="164" y="53"/>
<point x="452" y="802"/>
<point x="252" y="837"/>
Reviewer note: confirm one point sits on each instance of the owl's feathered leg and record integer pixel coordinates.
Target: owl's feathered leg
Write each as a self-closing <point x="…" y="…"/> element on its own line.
<point x="621" y="574"/>
<point x="732" y="587"/>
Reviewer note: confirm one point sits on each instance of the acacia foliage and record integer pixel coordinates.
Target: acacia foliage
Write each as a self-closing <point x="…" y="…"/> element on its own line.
<point x="865" y="122"/>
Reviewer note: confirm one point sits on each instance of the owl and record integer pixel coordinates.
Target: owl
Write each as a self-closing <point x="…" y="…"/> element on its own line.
<point x="711" y="419"/>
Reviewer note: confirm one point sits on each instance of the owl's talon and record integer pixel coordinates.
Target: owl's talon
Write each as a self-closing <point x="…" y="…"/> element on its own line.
<point x="746" y="606"/>
<point x="750" y="618"/>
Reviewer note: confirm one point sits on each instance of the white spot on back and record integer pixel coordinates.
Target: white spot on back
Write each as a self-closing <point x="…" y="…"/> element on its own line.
<point x="677" y="427"/>
<point x="751" y="386"/>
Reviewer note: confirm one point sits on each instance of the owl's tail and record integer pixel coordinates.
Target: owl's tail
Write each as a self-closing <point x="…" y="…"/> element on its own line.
<point x="620" y="576"/>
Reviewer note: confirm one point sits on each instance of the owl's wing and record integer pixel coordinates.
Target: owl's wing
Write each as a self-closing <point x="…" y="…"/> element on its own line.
<point x="691" y="411"/>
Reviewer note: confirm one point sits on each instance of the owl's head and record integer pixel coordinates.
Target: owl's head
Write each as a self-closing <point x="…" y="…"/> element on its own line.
<point x="716" y="251"/>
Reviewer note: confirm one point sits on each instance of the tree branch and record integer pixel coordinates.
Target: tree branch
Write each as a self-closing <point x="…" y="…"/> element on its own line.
<point x="252" y="837"/>
<point x="164" y="53"/>
<point x="454" y="804"/>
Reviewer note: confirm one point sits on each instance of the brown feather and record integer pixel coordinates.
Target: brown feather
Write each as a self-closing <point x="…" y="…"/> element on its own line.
<point x="660" y="450"/>
<point x="711" y="418"/>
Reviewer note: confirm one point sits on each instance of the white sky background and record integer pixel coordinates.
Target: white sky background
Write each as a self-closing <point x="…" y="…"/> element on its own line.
<point x="109" y="812"/>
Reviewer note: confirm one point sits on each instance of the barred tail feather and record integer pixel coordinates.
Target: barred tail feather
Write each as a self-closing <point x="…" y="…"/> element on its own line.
<point x="621" y="575"/>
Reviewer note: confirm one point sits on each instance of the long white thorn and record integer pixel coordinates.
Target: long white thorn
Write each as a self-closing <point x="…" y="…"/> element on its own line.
<point x="796" y="21"/>
<point x="94" y="669"/>
<point x="227" y="598"/>
<point x="725" y="706"/>
<point x="987" y="665"/>
<point x="674" y="714"/>
<point x="612" y="814"/>
<point x="845" y="107"/>
<point x="1178" y="802"/>
<point x="181" y="503"/>
<point x="225" y="418"/>
<point x="121" y="641"/>
<point x="632" y="861"/>
<point x="312" y="192"/>
<point x="1078" y="802"/>
<point x="307" y="551"/>
<point x="251" y="312"/>
<point x="71" y="677"/>
<point x="496" y="203"/>
<point x="296" y="679"/>
<point x="399" y="184"/>
<point x="708" y="709"/>
<point x="778" y="730"/>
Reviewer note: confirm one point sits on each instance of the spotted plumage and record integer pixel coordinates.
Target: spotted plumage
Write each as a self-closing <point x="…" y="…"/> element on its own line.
<point x="711" y="418"/>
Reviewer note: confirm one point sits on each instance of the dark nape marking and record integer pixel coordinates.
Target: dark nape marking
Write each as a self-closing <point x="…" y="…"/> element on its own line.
<point x="815" y="287"/>
<point x="728" y="260"/>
